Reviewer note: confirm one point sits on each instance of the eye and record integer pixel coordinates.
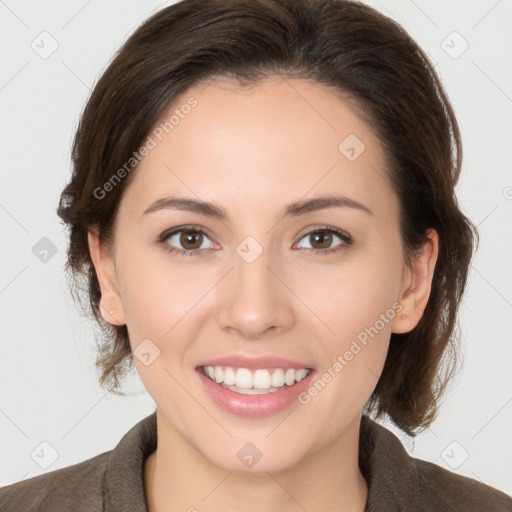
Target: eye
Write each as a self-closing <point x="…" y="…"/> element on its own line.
<point x="192" y="240"/>
<point x="321" y="239"/>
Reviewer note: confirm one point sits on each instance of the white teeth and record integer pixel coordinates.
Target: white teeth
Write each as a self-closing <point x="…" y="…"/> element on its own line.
<point x="301" y="374"/>
<point x="261" y="379"/>
<point x="229" y="376"/>
<point x="243" y="378"/>
<point x="249" y="391"/>
<point x="289" y="377"/>
<point x="250" y="382"/>
<point x="277" y="378"/>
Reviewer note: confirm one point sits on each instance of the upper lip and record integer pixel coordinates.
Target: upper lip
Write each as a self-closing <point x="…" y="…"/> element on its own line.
<point x="254" y="363"/>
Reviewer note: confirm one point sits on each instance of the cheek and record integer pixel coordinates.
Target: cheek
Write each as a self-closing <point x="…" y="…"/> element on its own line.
<point x="157" y="292"/>
<point x="353" y="297"/>
<point x="153" y="298"/>
<point x="354" y="345"/>
<point x="356" y="306"/>
<point x="159" y="304"/>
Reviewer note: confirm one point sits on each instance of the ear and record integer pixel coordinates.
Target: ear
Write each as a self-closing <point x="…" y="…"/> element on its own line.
<point x="417" y="285"/>
<point x="111" y="306"/>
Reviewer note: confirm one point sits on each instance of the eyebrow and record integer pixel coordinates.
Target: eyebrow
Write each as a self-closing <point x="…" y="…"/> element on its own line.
<point x="292" y="210"/>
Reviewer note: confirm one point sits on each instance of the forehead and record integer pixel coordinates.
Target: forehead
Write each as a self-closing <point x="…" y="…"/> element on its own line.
<point x="279" y="139"/>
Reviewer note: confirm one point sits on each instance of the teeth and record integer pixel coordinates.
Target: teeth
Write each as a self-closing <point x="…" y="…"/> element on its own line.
<point x="229" y="377"/>
<point x="289" y="376"/>
<point x="244" y="379"/>
<point x="261" y="379"/>
<point x="277" y="379"/>
<point x="249" y="391"/>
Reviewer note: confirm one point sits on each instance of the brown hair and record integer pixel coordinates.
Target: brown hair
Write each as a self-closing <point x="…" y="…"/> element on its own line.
<point x="338" y="43"/>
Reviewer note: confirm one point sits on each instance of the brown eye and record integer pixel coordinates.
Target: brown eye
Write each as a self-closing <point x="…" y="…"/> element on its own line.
<point x="186" y="241"/>
<point x="321" y="240"/>
<point x="191" y="240"/>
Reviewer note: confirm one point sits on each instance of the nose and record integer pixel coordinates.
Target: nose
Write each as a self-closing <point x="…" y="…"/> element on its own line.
<point x="254" y="299"/>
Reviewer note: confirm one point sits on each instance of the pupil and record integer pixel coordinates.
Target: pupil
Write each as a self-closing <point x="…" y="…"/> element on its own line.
<point x="187" y="238"/>
<point x="324" y="236"/>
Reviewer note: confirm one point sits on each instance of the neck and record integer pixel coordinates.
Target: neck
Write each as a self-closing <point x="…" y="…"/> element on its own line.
<point x="179" y="478"/>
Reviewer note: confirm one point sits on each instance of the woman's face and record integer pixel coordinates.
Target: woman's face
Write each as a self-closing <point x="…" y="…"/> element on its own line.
<point x="249" y="284"/>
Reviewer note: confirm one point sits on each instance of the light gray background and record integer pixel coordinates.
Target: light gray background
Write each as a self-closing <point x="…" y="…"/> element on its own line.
<point x="49" y="391"/>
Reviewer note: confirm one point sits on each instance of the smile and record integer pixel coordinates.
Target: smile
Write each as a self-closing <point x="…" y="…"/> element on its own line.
<point x="254" y="393"/>
<point x="252" y="382"/>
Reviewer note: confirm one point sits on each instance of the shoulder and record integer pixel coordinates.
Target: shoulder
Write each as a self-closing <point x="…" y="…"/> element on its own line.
<point x="398" y="481"/>
<point x="443" y="490"/>
<point x="73" y="488"/>
<point x="112" y="480"/>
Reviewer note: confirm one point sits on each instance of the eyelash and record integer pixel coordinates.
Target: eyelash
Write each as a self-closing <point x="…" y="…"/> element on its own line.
<point x="347" y="240"/>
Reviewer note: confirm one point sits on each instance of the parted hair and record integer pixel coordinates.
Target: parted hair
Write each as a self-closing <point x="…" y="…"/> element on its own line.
<point x="343" y="44"/>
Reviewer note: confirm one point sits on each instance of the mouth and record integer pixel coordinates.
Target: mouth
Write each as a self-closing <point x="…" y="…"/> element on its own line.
<point x="254" y="392"/>
<point x="254" y="381"/>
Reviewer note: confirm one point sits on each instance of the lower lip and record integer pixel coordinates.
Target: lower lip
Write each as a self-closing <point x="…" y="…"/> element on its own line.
<point x="254" y="406"/>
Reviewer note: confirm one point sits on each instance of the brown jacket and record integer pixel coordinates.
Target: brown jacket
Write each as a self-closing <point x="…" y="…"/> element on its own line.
<point x="113" y="481"/>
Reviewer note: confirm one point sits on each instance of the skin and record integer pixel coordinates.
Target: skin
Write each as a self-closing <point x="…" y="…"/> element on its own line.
<point x="252" y="152"/>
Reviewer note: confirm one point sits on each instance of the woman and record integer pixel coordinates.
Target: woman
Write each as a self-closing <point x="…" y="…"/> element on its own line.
<point x="263" y="206"/>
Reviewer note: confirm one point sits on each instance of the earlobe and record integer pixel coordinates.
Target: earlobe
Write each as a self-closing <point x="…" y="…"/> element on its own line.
<point x="110" y="304"/>
<point x="418" y="285"/>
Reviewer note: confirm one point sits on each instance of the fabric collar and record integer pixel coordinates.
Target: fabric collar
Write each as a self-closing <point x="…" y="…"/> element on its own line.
<point x="390" y="473"/>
